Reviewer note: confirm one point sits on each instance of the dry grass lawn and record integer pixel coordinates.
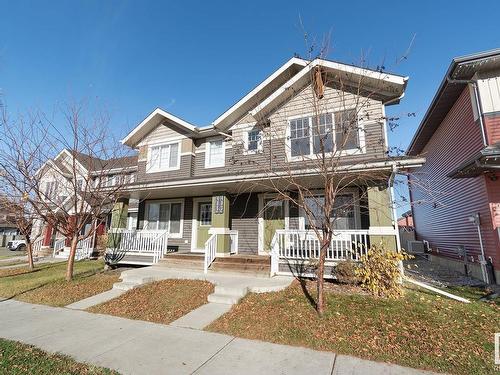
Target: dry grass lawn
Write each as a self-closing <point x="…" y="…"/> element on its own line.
<point x="421" y="330"/>
<point x="46" y="284"/>
<point x="17" y="358"/>
<point x="159" y="302"/>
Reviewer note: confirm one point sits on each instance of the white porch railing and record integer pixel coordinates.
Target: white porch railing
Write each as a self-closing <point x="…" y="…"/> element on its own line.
<point x="234" y="241"/>
<point x="58" y="245"/>
<point x="84" y="248"/>
<point x="140" y="242"/>
<point x="210" y="251"/>
<point x="36" y="246"/>
<point x="303" y="245"/>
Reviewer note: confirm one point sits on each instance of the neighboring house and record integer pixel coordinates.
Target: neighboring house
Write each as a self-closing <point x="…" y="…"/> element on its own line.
<point x="191" y="180"/>
<point x="57" y="188"/>
<point x="8" y="229"/>
<point x="406" y="220"/>
<point x="456" y="194"/>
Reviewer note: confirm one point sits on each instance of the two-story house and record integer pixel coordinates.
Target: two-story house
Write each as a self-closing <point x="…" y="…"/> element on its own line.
<point x="57" y="189"/>
<point x="459" y="137"/>
<point x="206" y="186"/>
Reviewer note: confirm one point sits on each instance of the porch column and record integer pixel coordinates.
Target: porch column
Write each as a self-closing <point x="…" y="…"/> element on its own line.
<point x="220" y="222"/>
<point x="380" y="214"/>
<point x="119" y="214"/>
<point x="118" y="220"/>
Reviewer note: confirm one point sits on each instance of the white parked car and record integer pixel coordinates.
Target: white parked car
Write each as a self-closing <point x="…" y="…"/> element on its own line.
<point x="16" y="245"/>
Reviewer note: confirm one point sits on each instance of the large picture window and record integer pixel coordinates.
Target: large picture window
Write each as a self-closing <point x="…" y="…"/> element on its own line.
<point x="215" y="154"/>
<point x="163" y="157"/>
<point x="164" y="216"/>
<point x="327" y="132"/>
<point x="342" y="215"/>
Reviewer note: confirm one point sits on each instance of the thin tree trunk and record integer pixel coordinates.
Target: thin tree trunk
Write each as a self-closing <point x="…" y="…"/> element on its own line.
<point x="71" y="259"/>
<point x="29" y="250"/>
<point x="321" y="305"/>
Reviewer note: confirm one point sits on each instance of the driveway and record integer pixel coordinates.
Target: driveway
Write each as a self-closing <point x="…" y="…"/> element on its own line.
<point x="6" y="252"/>
<point x="137" y="347"/>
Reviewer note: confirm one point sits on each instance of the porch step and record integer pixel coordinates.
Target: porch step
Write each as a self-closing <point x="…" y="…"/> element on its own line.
<point x="246" y="259"/>
<point x="183" y="261"/>
<point x="242" y="265"/>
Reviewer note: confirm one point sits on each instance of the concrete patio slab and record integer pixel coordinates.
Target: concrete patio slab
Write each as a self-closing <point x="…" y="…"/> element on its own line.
<point x="202" y="316"/>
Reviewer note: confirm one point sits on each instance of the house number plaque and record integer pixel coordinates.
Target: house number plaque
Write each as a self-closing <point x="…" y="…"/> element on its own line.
<point x="219" y="204"/>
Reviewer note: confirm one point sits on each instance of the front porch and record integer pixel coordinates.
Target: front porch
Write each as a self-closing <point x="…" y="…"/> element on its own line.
<point x="208" y="231"/>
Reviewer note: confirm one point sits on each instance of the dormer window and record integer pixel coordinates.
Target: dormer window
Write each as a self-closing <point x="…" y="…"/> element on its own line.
<point x="163" y="157"/>
<point x="253" y="141"/>
<point x="215" y="154"/>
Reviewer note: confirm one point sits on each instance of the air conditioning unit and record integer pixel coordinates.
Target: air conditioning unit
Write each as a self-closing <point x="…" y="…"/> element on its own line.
<point x="416" y="247"/>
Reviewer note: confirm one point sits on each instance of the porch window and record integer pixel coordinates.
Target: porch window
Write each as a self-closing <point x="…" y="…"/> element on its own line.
<point x="164" y="216"/>
<point x="164" y="157"/>
<point x="342" y="214"/>
<point x="214" y="154"/>
<point x="205" y="214"/>
<point x="332" y="131"/>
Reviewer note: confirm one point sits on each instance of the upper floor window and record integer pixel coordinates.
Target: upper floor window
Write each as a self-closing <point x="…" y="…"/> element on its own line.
<point x="50" y="189"/>
<point x="163" y="157"/>
<point x="253" y="142"/>
<point x="315" y="134"/>
<point x="215" y="154"/>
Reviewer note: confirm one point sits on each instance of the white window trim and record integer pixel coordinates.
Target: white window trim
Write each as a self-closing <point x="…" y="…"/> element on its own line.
<point x="207" y="153"/>
<point x="149" y="169"/>
<point x="361" y="149"/>
<point x="259" y="145"/>
<point x="357" y="208"/>
<point x="181" y="224"/>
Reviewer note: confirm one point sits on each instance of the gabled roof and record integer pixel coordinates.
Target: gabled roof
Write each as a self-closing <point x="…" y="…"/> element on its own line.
<point x="272" y="89"/>
<point x="461" y="70"/>
<point x="389" y="87"/>
<point x="154" y="119"/>
<point x="260" y="92"/>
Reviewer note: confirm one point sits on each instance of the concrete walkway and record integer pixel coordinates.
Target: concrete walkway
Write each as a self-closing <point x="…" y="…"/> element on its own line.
<point x="137" y="347"/>
<point x="229" y="289"/>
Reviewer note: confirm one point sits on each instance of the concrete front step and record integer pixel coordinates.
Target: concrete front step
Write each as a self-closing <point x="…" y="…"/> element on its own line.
<point x="125" y="286"/>
<point x="227" y="290"/>
<point x="227" y="299"/>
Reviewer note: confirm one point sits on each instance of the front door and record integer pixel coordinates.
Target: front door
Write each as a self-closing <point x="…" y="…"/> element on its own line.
<point x="204" y="221"/>
<point x="274" y="218"/>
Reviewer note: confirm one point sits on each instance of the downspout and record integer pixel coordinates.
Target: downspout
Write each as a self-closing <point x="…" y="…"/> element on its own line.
<point x="477" y="100"/>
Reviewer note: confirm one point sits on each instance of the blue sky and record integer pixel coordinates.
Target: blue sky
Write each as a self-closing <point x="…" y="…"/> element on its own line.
<point x="196" y="58"/>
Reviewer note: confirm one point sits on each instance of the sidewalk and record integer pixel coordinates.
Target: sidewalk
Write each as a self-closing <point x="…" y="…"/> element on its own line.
<point x="137" y="347"/>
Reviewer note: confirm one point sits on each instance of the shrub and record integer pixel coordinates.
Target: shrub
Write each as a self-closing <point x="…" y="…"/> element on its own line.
<point x="379" y="271"/>
<point x="346" y="273"/>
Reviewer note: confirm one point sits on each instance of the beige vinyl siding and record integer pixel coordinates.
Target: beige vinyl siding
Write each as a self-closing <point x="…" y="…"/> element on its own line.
<point x="164" y="133"/>
<point x="370" y="112"/>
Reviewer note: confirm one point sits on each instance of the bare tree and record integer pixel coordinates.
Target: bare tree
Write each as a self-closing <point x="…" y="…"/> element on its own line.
<point x="322" y="151"/>
<point x="70" y="174"/>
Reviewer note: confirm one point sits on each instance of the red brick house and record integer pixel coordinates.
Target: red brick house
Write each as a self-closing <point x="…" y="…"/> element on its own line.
<point x="459" y="207"/>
